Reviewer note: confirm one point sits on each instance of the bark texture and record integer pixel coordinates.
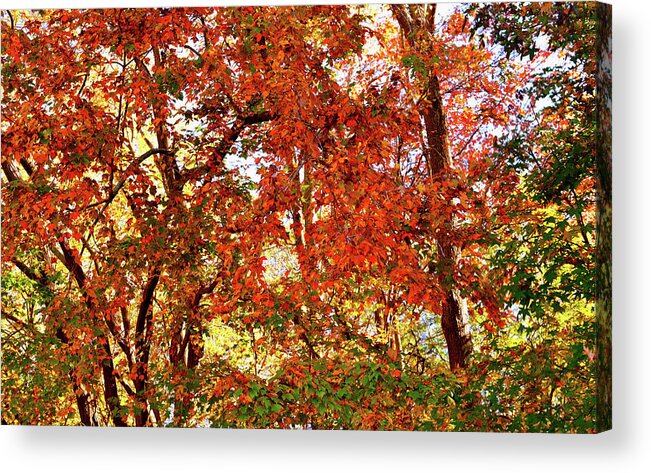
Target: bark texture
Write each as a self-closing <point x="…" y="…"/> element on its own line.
<point x="417" y="25"/>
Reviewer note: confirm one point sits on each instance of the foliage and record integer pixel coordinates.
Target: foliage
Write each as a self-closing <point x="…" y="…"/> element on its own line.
<point x="225" y="217"/>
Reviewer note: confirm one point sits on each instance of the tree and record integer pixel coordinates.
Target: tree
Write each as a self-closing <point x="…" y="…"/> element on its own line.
<point x="576" y="93"/>
<point x="319" y="217"/>
<point x="417" y="24"/>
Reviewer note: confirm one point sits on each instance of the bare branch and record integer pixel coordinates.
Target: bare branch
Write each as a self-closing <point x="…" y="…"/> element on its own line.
<point x="143" y="322"/>
<point x="11" y="19"/>
<point x="30" y="273"/>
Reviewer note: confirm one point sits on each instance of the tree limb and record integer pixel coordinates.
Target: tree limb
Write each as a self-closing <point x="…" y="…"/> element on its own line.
<point x="143" y="322"/>
<point x="120" y="184"/>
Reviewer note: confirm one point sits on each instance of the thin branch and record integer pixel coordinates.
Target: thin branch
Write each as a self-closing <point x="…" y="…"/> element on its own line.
<point x="579" y="218"/>
<point x="305" y="338"/>
<point x="142" y="65"/>
<point x="206" y="43"/>
<point x="83" y="84"/>
<point x="120" y="184"/>
<point x="468" y="141"/>
<point x="11" y="19"/>
<point x="23" y="325"/>
<point x="190" y="48"/>
<point x="124" y="346"/>
<point x="86" y="246"/>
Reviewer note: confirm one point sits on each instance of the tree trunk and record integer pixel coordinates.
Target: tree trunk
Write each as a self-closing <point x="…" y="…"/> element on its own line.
<point x="84" y="401"/>
<point x="454" y="313"/>
<point x="111" y="396"/>
<point x="86" y="412"/>
<point x="110" y="386"/>
<point x="417" y="25"/>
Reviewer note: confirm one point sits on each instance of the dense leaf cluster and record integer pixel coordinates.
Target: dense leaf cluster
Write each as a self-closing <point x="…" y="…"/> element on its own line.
<point x="230" y="217"/>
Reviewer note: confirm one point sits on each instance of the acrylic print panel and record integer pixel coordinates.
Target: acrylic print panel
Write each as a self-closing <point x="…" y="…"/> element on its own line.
<point x="359" y="217"/>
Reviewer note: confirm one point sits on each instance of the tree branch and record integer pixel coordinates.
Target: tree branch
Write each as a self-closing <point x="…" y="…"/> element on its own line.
<point x="143" y="322"/>
<point x="120" y="184"/>
<point x="231" y="136"/>
<point x="404" y="21"/>
<point x="9" y="171"/>
<point x="143" y="337"/>
<point x="30" y="273"/>
<point x="431" y="16"/>
<point x="203" y="290"/>
<point x="110" y="387"/>
<point x="11" y="19"/>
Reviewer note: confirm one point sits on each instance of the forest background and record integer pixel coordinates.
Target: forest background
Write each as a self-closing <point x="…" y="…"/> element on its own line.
<point x="414" y="452"/>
